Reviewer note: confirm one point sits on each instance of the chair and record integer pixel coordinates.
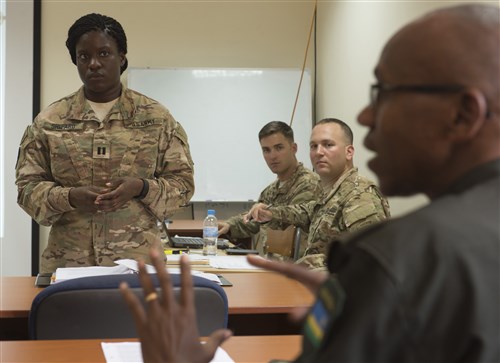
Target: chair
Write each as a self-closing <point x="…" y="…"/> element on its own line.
<point x="284" y="242"/>
<point x="93" y="308"/>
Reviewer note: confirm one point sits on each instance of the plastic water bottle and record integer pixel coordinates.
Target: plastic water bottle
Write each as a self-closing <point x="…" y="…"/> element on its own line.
<point x="210" y="232"/>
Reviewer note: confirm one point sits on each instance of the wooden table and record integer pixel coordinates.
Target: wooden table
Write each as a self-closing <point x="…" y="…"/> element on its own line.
<point x="258" y="303"/>
<point x="16" y="295"/>
<point x="241" y="349"/>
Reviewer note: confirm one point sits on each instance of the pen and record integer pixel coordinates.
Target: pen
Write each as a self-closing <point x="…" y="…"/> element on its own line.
<point x="266" y="208"/>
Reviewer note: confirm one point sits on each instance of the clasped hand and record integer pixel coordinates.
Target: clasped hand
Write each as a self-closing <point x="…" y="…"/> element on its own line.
<point x="105" y="199"/>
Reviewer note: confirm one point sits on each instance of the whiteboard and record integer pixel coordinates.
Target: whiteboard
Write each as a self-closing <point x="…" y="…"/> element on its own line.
<point x="222" y="111"/>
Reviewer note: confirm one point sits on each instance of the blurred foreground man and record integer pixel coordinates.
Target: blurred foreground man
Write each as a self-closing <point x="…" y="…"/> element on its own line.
<point x="424" y="287"/>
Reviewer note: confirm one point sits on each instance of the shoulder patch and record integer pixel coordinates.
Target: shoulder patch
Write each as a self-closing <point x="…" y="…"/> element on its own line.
<point x="326" y="309"/>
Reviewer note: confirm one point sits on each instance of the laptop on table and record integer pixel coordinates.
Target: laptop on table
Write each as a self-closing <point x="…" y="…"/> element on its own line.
<point x="193" y="242"/>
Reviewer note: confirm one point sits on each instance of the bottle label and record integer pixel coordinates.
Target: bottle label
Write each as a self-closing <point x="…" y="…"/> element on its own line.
<point x="210" y="232"/>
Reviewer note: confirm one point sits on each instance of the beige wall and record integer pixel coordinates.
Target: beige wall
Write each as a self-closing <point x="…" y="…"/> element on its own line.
<point x="181" y="34"/>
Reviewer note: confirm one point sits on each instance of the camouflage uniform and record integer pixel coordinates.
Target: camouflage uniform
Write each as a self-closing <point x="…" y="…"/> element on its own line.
<point x="352" y="203"/>
<point x="302" y="186"/>
<point x="63" y="149"/>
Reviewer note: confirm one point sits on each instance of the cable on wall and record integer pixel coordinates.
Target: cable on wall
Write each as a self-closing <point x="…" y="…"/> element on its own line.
<point x="313" y="21"/>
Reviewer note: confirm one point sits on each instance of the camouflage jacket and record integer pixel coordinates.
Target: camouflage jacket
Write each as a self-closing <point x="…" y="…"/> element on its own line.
<point x="303" y="186"/>
<point x="60" y="150"/>
<point x="353" y="203"/>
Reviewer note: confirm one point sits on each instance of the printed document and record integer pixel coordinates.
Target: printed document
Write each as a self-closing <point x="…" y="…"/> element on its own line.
<point x="131" y="352"/>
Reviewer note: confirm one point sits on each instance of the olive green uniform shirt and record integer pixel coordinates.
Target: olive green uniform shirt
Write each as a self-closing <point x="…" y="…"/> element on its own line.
<point x="67" y="146"/>
<point x="353" y="203"/>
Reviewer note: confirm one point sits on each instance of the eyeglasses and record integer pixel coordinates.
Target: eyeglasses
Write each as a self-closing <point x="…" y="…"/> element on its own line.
<point x="378" y="88"/>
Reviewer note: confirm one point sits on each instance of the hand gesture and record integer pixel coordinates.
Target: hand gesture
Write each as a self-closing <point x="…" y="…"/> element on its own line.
<point x="259" y="213"/>
<point x="223" y="228"/>
<point x="167" y="329"/>
<point x="120" y="192"/>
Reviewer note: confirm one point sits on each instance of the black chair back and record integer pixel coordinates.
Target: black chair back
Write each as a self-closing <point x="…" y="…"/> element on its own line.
<point x="93" y="308"/>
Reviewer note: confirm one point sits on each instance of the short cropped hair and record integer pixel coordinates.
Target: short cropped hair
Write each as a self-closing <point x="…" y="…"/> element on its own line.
<point x="275" y="127"/>
<point x="97" y="22"/>
<point x="345" y="128"/>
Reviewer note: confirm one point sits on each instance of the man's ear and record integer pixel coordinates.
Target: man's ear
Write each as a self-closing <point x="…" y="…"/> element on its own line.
<point x="471" y="115"/>
<point x="294" y="147"/>
<point x="349" y="152"/>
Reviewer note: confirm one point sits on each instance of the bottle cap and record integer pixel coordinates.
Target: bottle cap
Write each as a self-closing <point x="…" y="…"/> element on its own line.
<point x="211" y="212"/>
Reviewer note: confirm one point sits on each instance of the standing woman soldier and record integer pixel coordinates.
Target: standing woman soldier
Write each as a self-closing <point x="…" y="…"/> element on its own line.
<point x="104" y="163"/>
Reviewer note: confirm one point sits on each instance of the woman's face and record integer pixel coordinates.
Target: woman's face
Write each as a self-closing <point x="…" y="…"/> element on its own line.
<point x="99" y="62"/>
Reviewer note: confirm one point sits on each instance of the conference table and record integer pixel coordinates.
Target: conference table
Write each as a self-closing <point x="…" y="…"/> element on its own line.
<point x="259" y="303"/>
<point x="240" y="349"/>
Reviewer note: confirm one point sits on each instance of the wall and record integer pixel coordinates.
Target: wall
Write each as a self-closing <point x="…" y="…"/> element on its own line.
<point x="181" y="34"/>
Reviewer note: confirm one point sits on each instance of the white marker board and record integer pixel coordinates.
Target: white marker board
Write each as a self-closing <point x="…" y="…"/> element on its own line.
<point x="222" y="111"/>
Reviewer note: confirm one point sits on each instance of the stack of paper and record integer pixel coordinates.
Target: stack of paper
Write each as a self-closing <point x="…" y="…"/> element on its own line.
<point x="124" y="266"/>
<point x="132" y="265"/>
<point x="193" y="259"/>
<point x="66" y="273"/>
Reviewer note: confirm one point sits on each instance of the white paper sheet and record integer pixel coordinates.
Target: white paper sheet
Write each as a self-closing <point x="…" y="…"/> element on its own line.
<point x="231" y="262"/>
<point x="127" y="266"/>
<point x="130" y="352"/>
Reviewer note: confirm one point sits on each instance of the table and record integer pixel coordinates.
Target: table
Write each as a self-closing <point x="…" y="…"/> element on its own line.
<point x="241" y="349"/>
<point x="258" y="303"/>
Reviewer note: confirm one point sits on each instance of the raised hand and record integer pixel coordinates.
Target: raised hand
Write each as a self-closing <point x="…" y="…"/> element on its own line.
<point x="167" y="329"/>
